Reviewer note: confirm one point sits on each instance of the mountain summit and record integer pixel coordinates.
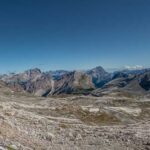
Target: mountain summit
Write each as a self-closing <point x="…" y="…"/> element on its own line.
<point x="99" y="76"/>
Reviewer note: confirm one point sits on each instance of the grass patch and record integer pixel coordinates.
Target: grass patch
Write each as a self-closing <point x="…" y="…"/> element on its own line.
<point x="6" y="93"/>
<point x="9" y="148"/>
<point x="80" y="91"/>
<point x="64" y="126"/>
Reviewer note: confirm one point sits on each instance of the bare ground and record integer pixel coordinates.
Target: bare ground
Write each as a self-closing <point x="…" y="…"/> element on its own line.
<point x="74" y="123"/>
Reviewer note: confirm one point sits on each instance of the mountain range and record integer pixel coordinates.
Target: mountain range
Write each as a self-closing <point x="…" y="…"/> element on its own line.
<point x="95" y="81"/>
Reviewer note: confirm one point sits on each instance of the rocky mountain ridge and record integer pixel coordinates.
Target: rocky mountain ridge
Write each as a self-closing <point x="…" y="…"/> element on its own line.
<point x="39" y="83"/>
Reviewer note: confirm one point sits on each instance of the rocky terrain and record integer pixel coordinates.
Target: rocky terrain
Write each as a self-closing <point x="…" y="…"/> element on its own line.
<point x="115" y="121"/>
<point x="92" y="110"/>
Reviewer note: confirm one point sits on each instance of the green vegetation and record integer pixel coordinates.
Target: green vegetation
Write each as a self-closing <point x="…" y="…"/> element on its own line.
<point x="83" y="91"/>
<point x="64" y="126"/>
<point x="6" y="93"/>
<point x="9" y="148"/>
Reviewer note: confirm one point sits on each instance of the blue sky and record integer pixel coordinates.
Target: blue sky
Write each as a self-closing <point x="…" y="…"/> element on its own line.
<point x="73" y="34"/>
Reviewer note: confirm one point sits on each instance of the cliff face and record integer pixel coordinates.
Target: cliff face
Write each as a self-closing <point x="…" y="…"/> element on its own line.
<point x="99" y="76"/>
<point x="74" y="82"/>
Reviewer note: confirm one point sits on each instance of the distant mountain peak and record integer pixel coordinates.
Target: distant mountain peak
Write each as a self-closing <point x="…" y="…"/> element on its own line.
<point x="97" y="69"/>
<point x="99" y="76"/>
<point x="34" y="70"/>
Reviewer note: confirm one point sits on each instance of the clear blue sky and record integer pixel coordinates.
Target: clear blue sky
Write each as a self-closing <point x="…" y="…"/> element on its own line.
<point x="73" y="34"/>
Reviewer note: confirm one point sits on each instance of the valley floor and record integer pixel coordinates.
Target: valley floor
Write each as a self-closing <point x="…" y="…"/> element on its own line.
<point x="74" y="123"/>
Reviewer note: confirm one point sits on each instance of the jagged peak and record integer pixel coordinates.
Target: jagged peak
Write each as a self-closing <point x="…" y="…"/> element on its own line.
<point x="34" y="70"/>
